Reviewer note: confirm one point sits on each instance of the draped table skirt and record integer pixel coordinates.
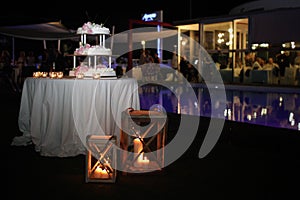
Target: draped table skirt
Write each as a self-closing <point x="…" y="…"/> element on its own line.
<point x="57" y="115"/>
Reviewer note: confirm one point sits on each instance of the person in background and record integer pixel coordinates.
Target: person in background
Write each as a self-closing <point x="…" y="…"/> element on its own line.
<point x="5" y="60"/>
<point x="44" y="60"/>
<point x="145" y="63"/>
<point x="174" y="65"/>
<point x="271" y="65"/>
<point x="174" y="62"/>
<point x="258" y="63"/>
<point x="20" y="63"/>
<point x="145" y="57"/>
<point x="237" y="67"/>
<point x="283" y="62"/>
<point x="297" y="59"/>
<point x="184" y="66"/>
<point x="156" y="58"/>
<point x="247" y="67"/>
<point x="30" y="59"/>
<point x="249" y="59"/>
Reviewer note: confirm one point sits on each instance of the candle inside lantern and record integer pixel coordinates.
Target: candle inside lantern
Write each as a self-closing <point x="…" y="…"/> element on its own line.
<point x="145" y="162"/>
<point x="100" y="173"/>
<point x="142" y="161"/>
<point x="137" y="145"/>
<point x="137" y="148"/>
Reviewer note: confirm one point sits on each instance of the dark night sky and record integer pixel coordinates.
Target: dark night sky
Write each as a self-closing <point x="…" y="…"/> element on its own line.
<point x="112" y="13"/>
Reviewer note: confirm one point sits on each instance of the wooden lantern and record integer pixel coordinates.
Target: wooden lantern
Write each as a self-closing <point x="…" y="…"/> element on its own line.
<point x="142" y="149"/>
<point x="101" y="159"/>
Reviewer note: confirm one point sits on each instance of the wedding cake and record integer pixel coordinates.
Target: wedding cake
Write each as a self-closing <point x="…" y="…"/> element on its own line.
<point x="94" y="53"/>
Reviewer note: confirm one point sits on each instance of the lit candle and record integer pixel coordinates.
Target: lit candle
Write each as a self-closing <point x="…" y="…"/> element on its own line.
<point x="145" y="162"/>
<point x="100" y="173"/>
<point x="139" y="160"/>
<point x="45" y="74"/>
<point x="79" y="75"/>
<point x="36" y="74"/>
<point x="96" y="75"/>
<point x="52" y="74"/>
<point x="59" y="74"/>
<point x="137" y="148"/>
<point x="137" y="145"/>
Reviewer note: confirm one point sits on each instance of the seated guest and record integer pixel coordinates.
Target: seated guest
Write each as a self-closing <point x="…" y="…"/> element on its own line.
<point x="297" y="59"/>
<point x="270" y="64"/>
<point x="258" y="63"/>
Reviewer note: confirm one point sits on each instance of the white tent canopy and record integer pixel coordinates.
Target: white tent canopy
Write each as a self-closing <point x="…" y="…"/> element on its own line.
<point x="54" y="31"/>
<point x="42" y="31"/>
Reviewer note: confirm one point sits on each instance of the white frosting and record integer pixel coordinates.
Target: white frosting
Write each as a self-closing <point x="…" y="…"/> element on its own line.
<point x="92" y="28"/>
<point x="101" y="71"/>
<point x="89" y="71"/>
<point x="92" y="50"/>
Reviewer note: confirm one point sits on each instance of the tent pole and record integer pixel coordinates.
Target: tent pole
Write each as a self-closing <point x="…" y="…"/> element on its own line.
<point x="112" y="38"/>
<point x="58" y="45"/>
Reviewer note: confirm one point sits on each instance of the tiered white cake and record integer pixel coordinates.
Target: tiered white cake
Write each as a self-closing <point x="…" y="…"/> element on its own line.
<point x="94" y="52"/>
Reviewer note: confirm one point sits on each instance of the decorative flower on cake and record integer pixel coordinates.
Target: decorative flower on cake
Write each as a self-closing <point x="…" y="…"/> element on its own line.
<point x="89" y="27"/>
<point x="81" y="68"/>
<point x="82" y="49"/>
<point x="100" y="68"/>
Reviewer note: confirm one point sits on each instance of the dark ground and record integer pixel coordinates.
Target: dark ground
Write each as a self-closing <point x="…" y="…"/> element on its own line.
<point x="248" y="162"/>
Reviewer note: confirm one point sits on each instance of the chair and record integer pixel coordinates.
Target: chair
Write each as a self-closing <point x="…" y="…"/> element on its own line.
<point x="260" y="76"/>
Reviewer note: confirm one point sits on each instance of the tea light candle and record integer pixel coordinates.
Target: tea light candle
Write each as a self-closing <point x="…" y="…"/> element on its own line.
<point x="59" y="74"/>
<point x="45" y="74"/>
<point x="36" y="74"/>
<point x="52" y="74"/>
<point x="96" y="75"/>
<point x="80" y="75"/>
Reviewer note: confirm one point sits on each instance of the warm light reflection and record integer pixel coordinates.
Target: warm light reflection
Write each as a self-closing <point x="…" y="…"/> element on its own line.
<point x="254" y="114"/>
<point x="264" y="111"/>
<point x="291" y="116"/>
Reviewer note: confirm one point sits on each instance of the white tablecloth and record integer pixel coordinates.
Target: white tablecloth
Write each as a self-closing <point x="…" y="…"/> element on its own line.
<point x="56" y="115"/>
